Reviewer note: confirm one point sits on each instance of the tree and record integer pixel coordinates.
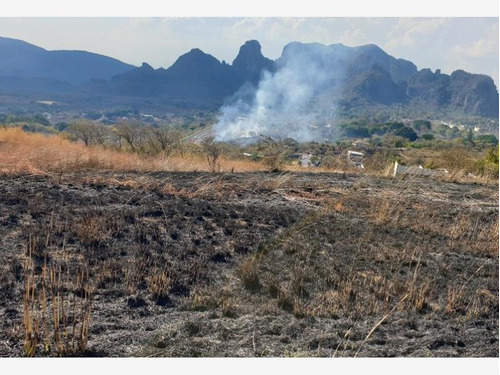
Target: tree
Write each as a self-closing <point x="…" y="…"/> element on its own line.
<point x="487" y="139"/>
<point x="420" y="124"/>
<point x="213" y="152"/>
<point x="162" y="139"/>
<point x="356" y="131"/>
<point x="407" y="133"/>
<point x="131" y="132"/>
<point x="427" y="137"/>
<point x="83" y="130"/>
<point x="469" y="139"/>
<point x="89" y="132"/>
<point x="275" y="153"/>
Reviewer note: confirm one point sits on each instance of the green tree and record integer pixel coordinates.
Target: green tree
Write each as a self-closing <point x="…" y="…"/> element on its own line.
<point x="487" y="139"/>
<point x="406" y="132"/>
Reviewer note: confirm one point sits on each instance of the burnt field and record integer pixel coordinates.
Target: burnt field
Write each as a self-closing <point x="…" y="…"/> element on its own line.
<point x="251" y="264"/>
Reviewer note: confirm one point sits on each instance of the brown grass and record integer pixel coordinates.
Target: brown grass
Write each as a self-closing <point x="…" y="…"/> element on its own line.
<point x="56" y="308"/>
<point x="32" y="153"/>
<point x="27" y="153"/>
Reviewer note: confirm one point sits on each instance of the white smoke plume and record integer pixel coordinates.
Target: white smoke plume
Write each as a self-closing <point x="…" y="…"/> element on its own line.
<point x="285" y="103"/>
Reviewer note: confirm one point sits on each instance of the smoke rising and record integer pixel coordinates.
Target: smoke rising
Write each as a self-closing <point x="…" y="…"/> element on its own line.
<point x="286" y="103"/>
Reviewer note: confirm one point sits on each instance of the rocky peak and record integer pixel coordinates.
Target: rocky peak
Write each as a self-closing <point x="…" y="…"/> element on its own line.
<point x="250" y="62"/>
<point x="249" y="55"/>
<point x="146" y="66"/>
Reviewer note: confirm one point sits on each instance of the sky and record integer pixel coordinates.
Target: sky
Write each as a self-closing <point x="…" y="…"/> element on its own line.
<point x="446" y="43"/>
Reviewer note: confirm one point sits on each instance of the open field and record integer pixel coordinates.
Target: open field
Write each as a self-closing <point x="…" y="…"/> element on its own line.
<point x="22" y="152"/>
<point x="138" y="263"/>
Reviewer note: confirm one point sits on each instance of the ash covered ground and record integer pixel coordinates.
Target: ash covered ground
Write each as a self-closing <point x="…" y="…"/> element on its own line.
<point x="253" y="264"/>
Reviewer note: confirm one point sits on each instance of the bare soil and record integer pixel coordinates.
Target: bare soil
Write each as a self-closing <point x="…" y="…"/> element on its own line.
<point x="254" y="264"/>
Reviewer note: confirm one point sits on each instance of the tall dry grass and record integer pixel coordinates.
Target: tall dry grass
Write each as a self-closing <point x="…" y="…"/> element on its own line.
<point x="32" y="153"/>
<point x="56" y="306"/>
<point x="29" y="153"/>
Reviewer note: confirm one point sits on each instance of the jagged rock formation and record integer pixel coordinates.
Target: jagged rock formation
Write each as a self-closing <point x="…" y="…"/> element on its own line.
<point x="358" y="77"/>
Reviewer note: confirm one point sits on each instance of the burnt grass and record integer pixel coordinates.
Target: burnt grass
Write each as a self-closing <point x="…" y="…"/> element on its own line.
<point x="254" y="264"/>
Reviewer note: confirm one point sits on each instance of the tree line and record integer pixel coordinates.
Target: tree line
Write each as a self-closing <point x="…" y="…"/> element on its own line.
<point x="127" y="135"/>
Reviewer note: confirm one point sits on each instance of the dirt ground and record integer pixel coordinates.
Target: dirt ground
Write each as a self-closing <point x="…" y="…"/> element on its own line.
<point x="243" y="265"/>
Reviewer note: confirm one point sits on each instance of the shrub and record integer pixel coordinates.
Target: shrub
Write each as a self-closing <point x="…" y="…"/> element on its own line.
<point x="356" y="131"/>
<point x="275" y="154"/>
<point x="406" y="132"/>
<point x="250" y="276"/>
<point x="488" y="167"/>
<point x="427" y="137"/>
<point x="487" y="139"/>
<point x="420" y="124"/>
<point x="213" y="152"/>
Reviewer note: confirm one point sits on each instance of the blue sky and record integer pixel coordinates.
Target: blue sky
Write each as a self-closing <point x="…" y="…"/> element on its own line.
<point x="447" y="43"/>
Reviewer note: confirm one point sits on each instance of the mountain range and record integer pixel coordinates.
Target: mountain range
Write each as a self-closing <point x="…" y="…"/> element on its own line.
<point x="354" y="77"/>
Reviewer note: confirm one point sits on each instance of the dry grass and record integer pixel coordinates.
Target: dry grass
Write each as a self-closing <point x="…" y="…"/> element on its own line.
<point x="31" y="153"/>
<point x="27" y="153"/>
<point x="159" y="286"/>
<point x="56" y="308"/>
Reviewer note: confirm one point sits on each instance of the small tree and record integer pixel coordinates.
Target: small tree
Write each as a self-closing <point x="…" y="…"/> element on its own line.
<point x="469" y="138"/>
<point x="421" y="124"/>
<point x="162" y="139"/>
<point x="90" y="132"/>
<point x="213" y="152"/>
<point x="131" y="132"/>
<point x="487" y="139"/>
<point x="407" y="133"/>
<point x="275" y="154"/>
<point x="83" y="130"/>
<point x="427" y="137"/>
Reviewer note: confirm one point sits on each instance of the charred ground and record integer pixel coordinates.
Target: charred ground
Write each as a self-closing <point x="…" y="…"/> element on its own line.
<point x="251" y="264"/>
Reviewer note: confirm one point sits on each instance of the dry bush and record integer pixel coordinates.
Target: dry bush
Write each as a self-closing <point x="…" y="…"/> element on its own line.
<point x="249" y="275"/>
<point x="213" y="152"/>
<point x="21" y="152"/>
<point x="159" y="285"/>
<point x="275" y="157"/>
<point x="131" y="134"/>
<point x="454" y="159"/>
<point x="202" y="299"/>
<point x="229" y="307"/>
<point x="93" y="228"/>
<point x="380" y="161"/>
<point x="109" y="273"/>
<point x="469" y="299"/>
<point x="463" y="164"/>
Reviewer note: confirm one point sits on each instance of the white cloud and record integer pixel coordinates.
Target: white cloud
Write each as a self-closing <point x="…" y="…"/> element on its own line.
<point x="478" y="49"/>
<point x="409" y="31"/>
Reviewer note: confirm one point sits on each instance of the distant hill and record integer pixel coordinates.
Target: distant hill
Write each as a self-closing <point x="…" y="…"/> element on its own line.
<point x="21" y="59"/>
<point x="461" y="91"/>
<point x="195" y="75"/>
<point x="351" y="78"/>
